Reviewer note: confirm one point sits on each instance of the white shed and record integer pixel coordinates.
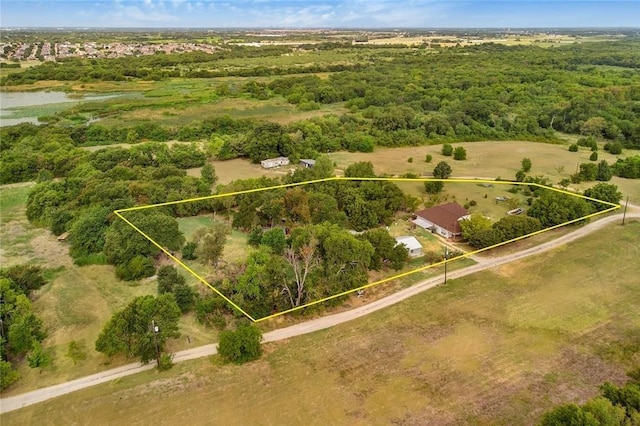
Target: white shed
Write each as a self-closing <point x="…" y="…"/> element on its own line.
<point x="270" y="163"/>
<point x="412" y="244"/>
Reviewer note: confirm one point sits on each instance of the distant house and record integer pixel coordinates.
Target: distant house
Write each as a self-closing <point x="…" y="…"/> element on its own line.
<point x="442" y="220"/>
<point x="270" y="163"/>
<point x="307" y="163"/>
<point x="411" y="243"/>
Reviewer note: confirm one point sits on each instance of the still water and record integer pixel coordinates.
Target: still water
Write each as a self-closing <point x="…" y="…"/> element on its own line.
<point x="10" y="101"/>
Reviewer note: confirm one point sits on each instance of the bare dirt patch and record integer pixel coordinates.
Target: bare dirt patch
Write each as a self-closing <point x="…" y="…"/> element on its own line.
<point x="50" y="251"/>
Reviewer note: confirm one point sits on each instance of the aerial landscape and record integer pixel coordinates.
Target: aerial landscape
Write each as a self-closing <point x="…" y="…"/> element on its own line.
<point x="324" y="212"/>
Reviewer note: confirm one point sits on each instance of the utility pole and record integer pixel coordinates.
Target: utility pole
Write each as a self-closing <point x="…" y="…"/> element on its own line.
<point x="624" y="214"/>
<point x="156" y="329"/>
<point x="446" y="256"/>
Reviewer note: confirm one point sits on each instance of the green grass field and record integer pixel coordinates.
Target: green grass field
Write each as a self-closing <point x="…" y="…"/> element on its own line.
<point x="499" y="347"/>
<point x="236" y="248"/>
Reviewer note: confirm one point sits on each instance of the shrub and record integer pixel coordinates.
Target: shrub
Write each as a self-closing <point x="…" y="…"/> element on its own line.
<point x="165" y="362"/>
<point x="605" y="172"/>
<point x="459" y="154"/>
<point x="473" y="203"/>
<point x="255" y="236"/>
<point x="189" y="251"/>
<point x="588" y="141"/>
<point x="433" y="187"/>
<point x="628" y="168"/>
<point x="605" y="192"/>
<point x="241" y="345"/>
<point x="432" y="257"/>
<point x="526" y="164"/>
<point x="308" y="106"/>
<point x="594" y="156"/>
<point x="447" y="150"/>
<point x="209" y="311"/>
<point x="7" y="375"/>
<point x="38" y="358"/>
<point x="573" y="148"/>
<point x="136" y="268"/>
<point x="25" y="277"/>
<point x="185" y="297"/>
<point x="410" y="160"/>
<point x="428" y="158"/>
<point x="614" y="148"/>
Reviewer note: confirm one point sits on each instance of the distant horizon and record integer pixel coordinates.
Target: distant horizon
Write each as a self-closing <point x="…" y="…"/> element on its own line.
<point x="319" y="28"/>
<point x="319" y="14"/>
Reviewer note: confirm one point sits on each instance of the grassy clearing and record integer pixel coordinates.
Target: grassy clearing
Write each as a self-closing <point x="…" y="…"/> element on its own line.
<point x="236" y="248"/>
<point x="499" y="347"/>
<point x="21" y="242"/>
<point x="13" y="200"/>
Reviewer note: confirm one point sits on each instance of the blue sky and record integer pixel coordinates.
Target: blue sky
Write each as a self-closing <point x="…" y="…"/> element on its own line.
<point x="319" y="13"/>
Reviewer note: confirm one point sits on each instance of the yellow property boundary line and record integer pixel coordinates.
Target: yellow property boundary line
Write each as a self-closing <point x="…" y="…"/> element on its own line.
<point x="340" y="178"/>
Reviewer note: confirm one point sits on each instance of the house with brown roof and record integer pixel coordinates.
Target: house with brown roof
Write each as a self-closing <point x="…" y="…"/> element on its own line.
<point x="442" y="220"/>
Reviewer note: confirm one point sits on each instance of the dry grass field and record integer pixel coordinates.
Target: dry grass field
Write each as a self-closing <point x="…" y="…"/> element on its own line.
<point x="499" y="347"/>
<point x="77" y="301"/>
<point x="488" y="159"/>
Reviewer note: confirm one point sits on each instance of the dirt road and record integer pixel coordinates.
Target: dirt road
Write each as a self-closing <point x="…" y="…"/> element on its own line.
<point x="19" y="401"/>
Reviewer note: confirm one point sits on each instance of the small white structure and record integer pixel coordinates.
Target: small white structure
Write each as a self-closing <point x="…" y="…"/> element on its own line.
<point x="411" y="243"/>
<point x="307" y="163"/>
<point x="270" y="163"/>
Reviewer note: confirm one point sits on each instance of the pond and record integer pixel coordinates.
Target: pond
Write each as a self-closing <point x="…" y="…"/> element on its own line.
<point x="26" y="107"/>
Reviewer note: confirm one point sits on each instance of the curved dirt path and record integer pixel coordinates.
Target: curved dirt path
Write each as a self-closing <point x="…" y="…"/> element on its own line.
<point x="33" y="397"/>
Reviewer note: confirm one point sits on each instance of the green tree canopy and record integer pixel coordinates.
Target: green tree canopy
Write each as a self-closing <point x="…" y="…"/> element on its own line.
<point x="442" y="170"/>
<point x="211" y="242"/>
<point x="361" y="169"/>
<point x="605" y="192"/>
<point x="242" y="345"/>
<point x="130" y="330"/>
<point x="122" y="242"/>
<point x="554" y="208"/>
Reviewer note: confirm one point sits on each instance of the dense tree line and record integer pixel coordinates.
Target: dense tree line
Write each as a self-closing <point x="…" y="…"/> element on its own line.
<point x="21" y="331"/>
<point x="471" y="93"/>
<point x="41" y="153"/>
<point x="554" y="208"/>
<point x="84" y="200"/>
<point x="480" y="232"/>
